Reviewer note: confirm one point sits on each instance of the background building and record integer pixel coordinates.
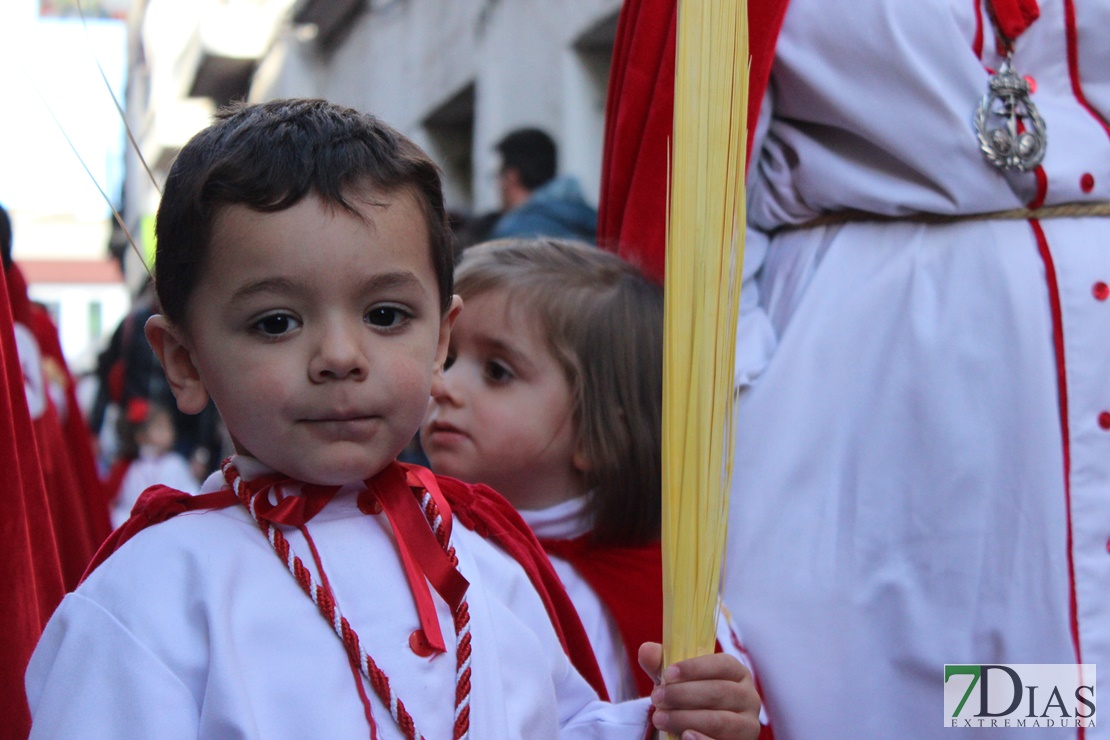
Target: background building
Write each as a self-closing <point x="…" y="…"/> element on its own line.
<point x="60" y="69"/>
<point x="455" y="75"/>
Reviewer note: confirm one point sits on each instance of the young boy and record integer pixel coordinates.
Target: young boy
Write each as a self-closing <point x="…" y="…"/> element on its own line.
<point x="305" y="280"/>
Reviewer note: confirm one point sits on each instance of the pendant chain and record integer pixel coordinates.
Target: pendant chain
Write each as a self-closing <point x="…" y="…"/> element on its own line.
<point x="1011" y="133"/>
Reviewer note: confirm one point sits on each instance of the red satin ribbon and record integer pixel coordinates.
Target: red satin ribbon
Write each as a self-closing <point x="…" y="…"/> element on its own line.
<point x="423" y="556"/>
<point x="291" y="511"/>
<point x="1012" y="17"/>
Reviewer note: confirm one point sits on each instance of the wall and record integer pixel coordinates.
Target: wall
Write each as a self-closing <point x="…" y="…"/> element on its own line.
<point x="457" y="76"/>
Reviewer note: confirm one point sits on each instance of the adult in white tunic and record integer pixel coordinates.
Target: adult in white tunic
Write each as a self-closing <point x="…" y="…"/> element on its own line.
<point x="923" y="455"/>
<point x="195" y="629"/>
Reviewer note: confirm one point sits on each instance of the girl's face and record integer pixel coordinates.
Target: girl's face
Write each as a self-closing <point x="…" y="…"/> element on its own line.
<point x="505" y="416"/>
<point x="158" y="432"/>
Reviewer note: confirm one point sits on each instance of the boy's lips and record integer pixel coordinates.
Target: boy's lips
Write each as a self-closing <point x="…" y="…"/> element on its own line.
<point x="337" y="410"/>
<point x="343" y="425"/>
<point x="340" y="416"/>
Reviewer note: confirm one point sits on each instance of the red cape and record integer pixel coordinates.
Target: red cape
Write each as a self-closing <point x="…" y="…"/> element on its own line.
<point x="73" y="488"/>
<point x="639" y="113"/>
<point x="31" y="579"/>
<point x="629" y="581"/>
<point x="75" y="430"/>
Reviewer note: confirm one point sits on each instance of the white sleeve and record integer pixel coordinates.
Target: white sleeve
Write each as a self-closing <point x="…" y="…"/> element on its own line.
<point x="583" y="715"/>
<point x="90" y="678"/>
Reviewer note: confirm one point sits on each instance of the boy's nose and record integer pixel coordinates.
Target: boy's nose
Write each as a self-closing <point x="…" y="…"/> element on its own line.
<point x="339" y="355"/>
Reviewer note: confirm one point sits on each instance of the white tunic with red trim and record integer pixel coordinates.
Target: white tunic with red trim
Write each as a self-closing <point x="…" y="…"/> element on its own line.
<point x="923" y="458"/>
<point x="194" y="628"/>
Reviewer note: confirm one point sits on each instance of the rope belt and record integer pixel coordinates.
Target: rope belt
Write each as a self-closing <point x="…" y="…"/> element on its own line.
<point x="1064" y="210"/>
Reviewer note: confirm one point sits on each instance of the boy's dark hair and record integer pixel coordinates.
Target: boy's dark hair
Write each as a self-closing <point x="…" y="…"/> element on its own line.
<point x="604" y="324"/>
<point x="530" y="152"/>
<point x="5" y="238"/>
<point x="270" y="156"/>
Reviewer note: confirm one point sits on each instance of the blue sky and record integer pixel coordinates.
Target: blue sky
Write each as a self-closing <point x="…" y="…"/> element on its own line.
<point x="38" y="170"/>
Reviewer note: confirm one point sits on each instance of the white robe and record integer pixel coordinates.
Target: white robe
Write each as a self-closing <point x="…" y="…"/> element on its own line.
<point x="901" y="496"/>
<point x="194" y="628"/>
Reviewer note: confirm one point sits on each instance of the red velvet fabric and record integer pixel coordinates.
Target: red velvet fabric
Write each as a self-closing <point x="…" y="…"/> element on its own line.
<point x="639" y="114"/>
<point x="75" y="431"/>
<point x="629" y="581"/>
<point x="71" y="491"/>
<point x="113" y="481"/>
<point x="31" y="579"/>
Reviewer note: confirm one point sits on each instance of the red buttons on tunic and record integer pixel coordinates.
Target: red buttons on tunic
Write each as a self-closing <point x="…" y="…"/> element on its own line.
<point x="1100" y="290"/>
<point x="368" y="503"/>
<point x="420" y="645"/>
<point x="1104" y="420"/>
<point x="1087" y="182"/>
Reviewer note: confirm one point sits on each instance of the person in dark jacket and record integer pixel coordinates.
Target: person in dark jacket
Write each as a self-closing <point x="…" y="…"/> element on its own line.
<point x="535" y="201"/>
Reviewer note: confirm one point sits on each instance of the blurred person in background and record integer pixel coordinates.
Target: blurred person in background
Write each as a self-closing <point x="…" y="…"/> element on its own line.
<point x="535" y="202"/>
<point x="127" y="370"/>
<point x="146" y="457"/>
<point x="78" y="506"/>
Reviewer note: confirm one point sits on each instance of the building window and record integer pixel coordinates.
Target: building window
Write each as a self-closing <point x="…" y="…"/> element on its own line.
<point x="96" y="319"/>
<point x="54" y="309"/>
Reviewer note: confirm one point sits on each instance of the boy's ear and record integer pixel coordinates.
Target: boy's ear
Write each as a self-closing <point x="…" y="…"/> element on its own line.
<point x="170" y="343"/>
<point x="444" y="343"/>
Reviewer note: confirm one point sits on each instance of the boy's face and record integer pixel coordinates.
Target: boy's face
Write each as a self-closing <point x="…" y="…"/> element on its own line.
<point x="318" y="335"/>
<point x="505" y="416"/>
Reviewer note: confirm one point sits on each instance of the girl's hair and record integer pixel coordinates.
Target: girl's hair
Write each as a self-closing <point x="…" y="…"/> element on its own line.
<point x="604" y="324"/>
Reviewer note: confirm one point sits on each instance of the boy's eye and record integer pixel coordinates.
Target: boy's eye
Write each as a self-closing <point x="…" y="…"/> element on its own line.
<point x="276" y="324"/>
<point x="447" y="363"/>
<point x="386" y="317"/>
<point x="498" y="372"/>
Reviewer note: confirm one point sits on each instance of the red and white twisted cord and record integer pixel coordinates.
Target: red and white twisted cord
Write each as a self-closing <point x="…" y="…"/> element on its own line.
<point x="462" y="626"/>
<point x="328" y="607"/>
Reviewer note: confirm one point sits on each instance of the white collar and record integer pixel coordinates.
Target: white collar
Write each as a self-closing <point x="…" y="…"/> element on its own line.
<point x="564" y="520"/>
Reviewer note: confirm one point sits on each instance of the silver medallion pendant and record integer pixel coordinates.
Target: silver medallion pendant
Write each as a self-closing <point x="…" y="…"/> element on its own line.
<point x="1011" y="131"/>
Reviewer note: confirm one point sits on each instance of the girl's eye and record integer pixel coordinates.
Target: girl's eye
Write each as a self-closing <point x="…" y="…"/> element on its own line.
<point x="276" y="324"/>
<point x="386" y="317"/>
<point x="498" y="372"/>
